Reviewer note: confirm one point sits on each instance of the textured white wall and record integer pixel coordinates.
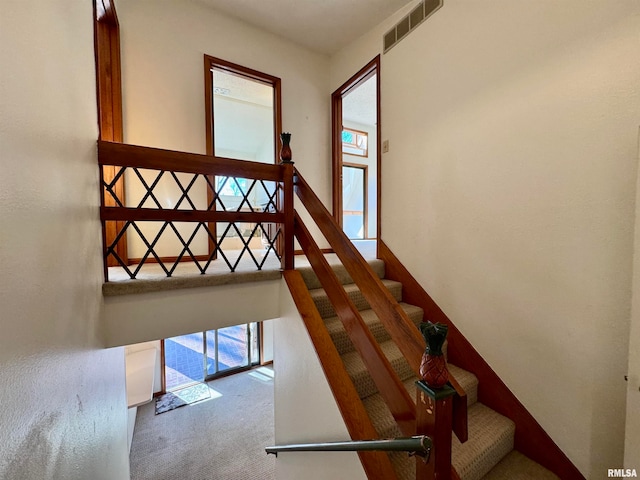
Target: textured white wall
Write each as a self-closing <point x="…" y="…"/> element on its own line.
<point x="63" y="412"/>
<point x="152" y="316"/>
<point x="305" y="410"/>
<point x="163" y="47"/>
<point x="509" y="192"/>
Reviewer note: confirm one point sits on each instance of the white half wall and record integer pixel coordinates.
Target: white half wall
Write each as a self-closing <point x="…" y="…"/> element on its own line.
<point x="153" y="316"/>
<point x="64" y="412"/>
<point x="305" y="410"/>
<point x="509" y="191"/>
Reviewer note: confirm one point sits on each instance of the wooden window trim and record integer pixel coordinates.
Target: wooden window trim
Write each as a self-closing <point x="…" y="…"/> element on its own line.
<point x="213" y="62"/>
<point x="109" y="101"/>
<point x="356" y="132"/>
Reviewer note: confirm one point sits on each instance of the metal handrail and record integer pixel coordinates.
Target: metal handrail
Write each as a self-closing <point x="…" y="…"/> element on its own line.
<point x="417" y="445"/>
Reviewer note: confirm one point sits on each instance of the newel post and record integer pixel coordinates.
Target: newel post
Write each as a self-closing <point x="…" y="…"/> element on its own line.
<point x="434" y="414"/>
<point x="286" y="202"/>
<point x="434" y="405"/>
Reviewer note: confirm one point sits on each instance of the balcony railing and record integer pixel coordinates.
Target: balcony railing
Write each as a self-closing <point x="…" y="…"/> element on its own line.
<point x="183" y="208"/>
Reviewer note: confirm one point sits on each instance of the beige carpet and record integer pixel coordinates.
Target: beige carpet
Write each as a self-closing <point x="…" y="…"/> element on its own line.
<point x="218" y="439"/>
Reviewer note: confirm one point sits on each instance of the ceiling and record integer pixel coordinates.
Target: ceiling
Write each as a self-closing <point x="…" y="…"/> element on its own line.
<point x="324" y="26"/>
<point x="359" y="105"/>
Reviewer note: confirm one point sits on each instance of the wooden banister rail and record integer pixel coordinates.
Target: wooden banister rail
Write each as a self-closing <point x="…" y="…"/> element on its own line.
<point x="382" y="373"/>
<point x="394" y="319"/>
<point x="124" y="155"/>
<point x="377" y="465"/>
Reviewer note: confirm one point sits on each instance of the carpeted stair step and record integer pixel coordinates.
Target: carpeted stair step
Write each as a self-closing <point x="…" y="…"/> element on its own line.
<point x="516" y="466"/>
<point x="382" y="418"/>
<point x="490" y="440"/>
<point x="366" y="387"/>
<point x="341" y="339"/>
<point x="488" y="453"/>
<point x="326" y="309"/>
<point x="312" y="282"/>
<point x="360" y="375"/>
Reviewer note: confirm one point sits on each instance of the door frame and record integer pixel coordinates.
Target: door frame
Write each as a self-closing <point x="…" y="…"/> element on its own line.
<point x="364" y="74"/>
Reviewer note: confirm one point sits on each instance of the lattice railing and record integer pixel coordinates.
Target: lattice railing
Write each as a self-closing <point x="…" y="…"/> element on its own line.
<point x="187" y="211"/>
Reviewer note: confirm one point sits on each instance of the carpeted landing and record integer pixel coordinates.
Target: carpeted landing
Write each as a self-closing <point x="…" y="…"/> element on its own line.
<point x="222" y="438"/>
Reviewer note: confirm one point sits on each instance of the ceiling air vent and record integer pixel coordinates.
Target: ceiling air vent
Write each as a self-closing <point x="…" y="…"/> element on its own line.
<point x="419" y="14"/>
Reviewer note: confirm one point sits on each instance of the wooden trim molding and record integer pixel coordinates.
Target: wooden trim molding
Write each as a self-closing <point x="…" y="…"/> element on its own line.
<point x="530" y="438"/>
<point x="364" y="74"/>
<point x="124" y="155"/>
<point x="109" y="100"/>
<point x="209" y="64"/>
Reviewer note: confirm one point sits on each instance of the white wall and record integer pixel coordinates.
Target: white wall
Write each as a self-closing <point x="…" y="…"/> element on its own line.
<point x="163" y="44"/>
<point x="151" y="316"/>
<point x="305" y="410"/>
<point x="509" y="192"/>
<point x="632" y="430"/>
<point x="155" y="344"/>
<point x="64" y="413"/>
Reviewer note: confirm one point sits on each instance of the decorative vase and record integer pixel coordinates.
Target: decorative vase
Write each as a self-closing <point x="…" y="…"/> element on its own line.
<point x="433" y="368"/>
<point x="285" y="151"/>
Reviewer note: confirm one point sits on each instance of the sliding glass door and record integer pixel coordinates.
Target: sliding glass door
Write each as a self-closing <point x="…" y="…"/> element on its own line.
<point x="202" y="356"/>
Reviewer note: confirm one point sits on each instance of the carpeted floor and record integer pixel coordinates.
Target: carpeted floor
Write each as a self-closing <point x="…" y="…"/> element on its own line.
<point x="222" y="438"/>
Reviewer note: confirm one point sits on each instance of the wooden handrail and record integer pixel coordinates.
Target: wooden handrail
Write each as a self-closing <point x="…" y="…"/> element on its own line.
<point x="124" y="155"/>
<point x="397" y="398"/>
<point x="391" y="314"/>
<point x="377" y="465"/>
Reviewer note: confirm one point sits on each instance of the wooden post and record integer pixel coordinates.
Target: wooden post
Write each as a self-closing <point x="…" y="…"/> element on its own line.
<point x="287" y="206"/>
<point x="286" y="203"/>
<point x="434" y="415"/>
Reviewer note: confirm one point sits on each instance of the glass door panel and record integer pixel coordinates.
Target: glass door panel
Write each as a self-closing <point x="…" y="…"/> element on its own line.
<point x="354" y="201"/>
<point x="183" y="360"/>
<point x="202" y="356"/>
<point x="232" y="347"/>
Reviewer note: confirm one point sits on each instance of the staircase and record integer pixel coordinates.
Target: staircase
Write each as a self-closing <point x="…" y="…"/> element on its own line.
<point x="488" y="453"/>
